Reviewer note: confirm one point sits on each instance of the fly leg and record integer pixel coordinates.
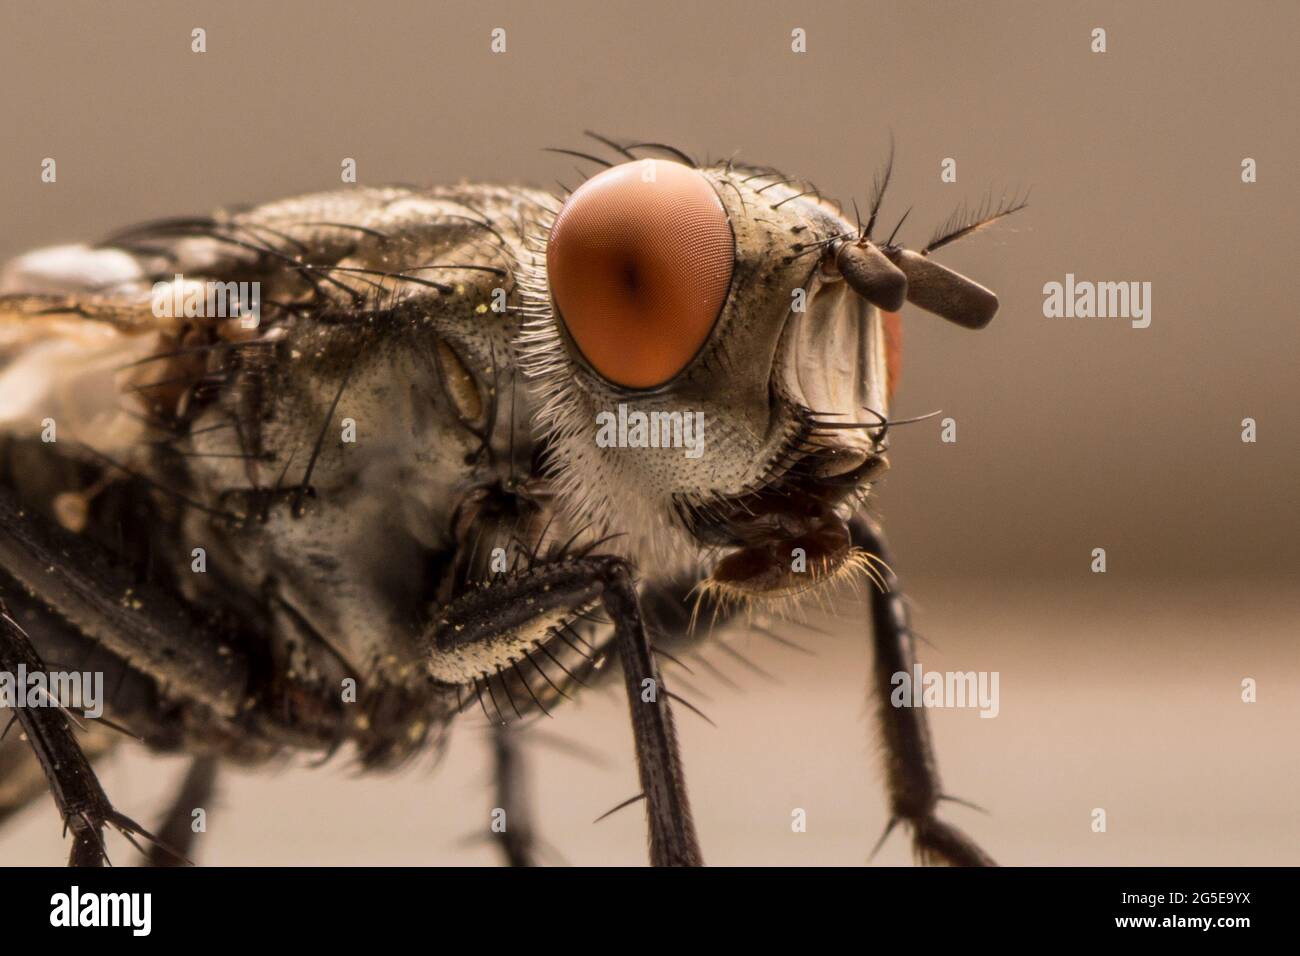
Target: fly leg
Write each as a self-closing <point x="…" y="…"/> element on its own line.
<point x="177" y="831"/>
<point x="911" y="770"/>
<point x="143" y="624"/>
<point x="510" y="776"/>
<point x="81" y="800"/>
<point x="22" y="779"/>
<point x="672" y="831"/>
<point x="498" y="626"/>
<point x="139" y="625"/>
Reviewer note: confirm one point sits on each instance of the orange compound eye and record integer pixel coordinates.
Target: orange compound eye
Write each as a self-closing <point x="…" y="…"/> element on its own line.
<point x="639" y="261"/>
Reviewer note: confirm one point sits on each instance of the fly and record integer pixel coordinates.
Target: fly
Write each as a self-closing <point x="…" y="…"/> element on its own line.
<point x="327" y="472"/>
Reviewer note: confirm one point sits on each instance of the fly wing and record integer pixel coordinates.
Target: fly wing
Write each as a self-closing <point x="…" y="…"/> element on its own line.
<point x="71" y="317"/>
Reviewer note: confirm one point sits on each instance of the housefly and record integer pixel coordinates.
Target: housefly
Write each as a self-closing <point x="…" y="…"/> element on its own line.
<point x="323" y="473"/>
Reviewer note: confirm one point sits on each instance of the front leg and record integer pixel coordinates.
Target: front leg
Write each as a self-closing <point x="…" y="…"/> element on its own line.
<point x="502" y="627"/>
<point x="913" y="775"/>
<point x="672" y="831"/>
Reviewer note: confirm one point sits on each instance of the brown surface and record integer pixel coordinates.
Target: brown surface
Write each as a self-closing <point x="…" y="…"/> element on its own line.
<point x="1118" y="690"/>
<point x="1110" y="697"/>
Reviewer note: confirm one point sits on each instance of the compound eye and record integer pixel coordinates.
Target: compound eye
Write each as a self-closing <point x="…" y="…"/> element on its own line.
<point x="640" y="261"/>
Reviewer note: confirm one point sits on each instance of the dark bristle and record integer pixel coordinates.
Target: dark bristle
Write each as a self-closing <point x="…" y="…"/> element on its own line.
<point x="963" y="221"/>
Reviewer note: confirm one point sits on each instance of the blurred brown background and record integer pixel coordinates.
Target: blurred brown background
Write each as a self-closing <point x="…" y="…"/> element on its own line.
<point x="1118" y="690"/>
